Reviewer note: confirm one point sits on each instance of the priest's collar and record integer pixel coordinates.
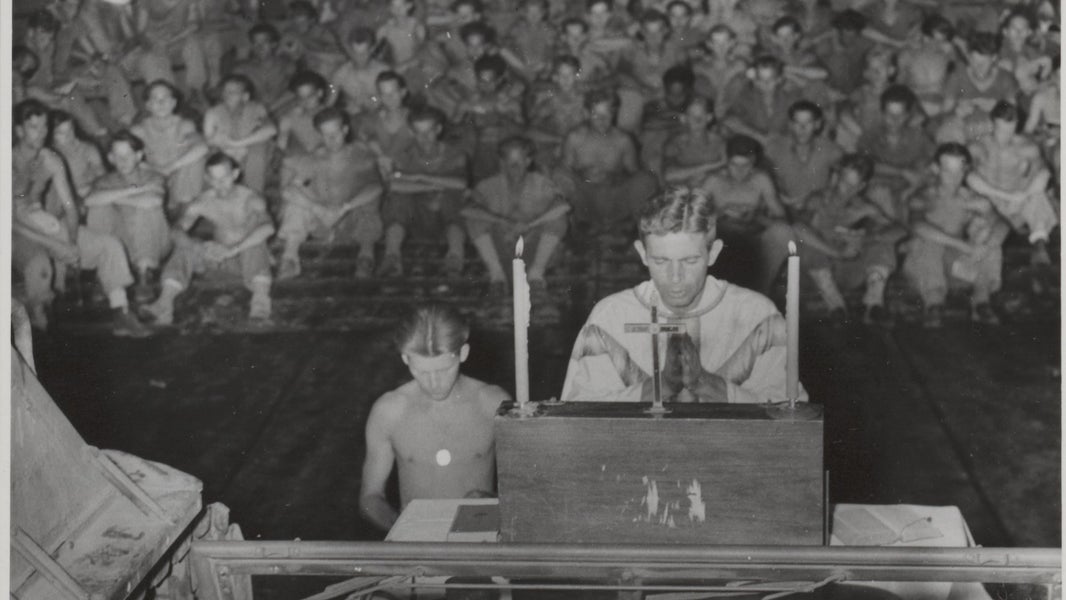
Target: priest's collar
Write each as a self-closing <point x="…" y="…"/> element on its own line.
<point x="711" y="296"/>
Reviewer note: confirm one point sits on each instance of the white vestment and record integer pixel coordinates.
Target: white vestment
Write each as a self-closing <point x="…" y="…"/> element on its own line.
<point x="739" y="333"/>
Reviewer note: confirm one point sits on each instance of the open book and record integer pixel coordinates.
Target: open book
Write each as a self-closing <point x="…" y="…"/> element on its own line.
<point x="882" y="525"/>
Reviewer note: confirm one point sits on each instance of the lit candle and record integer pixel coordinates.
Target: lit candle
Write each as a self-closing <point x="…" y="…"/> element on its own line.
<point x="792" y="301"/>
<point x="521" y="326"/>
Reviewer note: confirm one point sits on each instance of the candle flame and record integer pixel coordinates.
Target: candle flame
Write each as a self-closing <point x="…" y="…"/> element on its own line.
<point x="791" y="248"/>
<point x="518" y="247"/>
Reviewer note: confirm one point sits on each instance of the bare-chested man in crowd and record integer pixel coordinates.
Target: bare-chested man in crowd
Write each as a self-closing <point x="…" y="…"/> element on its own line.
<point x="1010" y="171"/>
<point x="609" y="184"/>
<point x="41" y="236"/>
<point x="925" y="64"/>
<point x="172" y="145"/>
<point x="437" y="429"/>
<point x="751" y="218"/>
<point x="296" y="128"/>
<point x="332" y="193"/>
<point x="241" y="127"/>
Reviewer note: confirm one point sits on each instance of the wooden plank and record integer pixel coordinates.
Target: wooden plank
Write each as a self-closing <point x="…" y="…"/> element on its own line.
<point x="704" y="474"/>
<point x="43" y="562"/>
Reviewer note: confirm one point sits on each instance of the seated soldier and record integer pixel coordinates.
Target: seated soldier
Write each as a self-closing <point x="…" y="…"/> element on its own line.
<point x="733" y="347"/>
<point x="1043" y="122"/>
<point x="800" y="65"/>
<point x="751" y="219"/>
<point x="268" y="71"/>
<point x="128" y="204"/>
<point x="956" y="236"/>
<point x="861" y="110"/>
<point x="82" y="158"/>
<point x="557" y="109"/>
<point x="1010" y="171"/>
<point x="387" y="130"/>
<point x="642" y="65"/>
<point x="49" y="81"/>
<point x="429" y="178"/>
<point x="334" y="193"/>
<point x="605" y="181"/>
<point x="595" y="68"/>
<point x="172" y="145"/>
<point x="662" y="117"/>
<point x="843" y="52"/>
<point x="847" y="241"/>
<point x="532" y="38"/>
<point x="758" y="107"/>
<point x="241" y="228"/>
<point x="354" y="81"/>
<point x="223" y="25"/>
<point x="402" y="35"/>
<point x="462" y="79"/>
<point x="802" y="161"/>
<point x="698" y="149"/>
<point x="1019" y="55"/>
<point x="605" y="23"/>
<point x="983" y="82"/>
<point x="924" y="64"/>
<point x="446" y="30"/>
<point x="296" y="128"/>
<point x="170" y="29"/>
<point x="721" y="62"/>
<point x="312" y="45"/>
<point x="684" y="27"/>
<point x="101" y="72"/>
<point x="491" y="113"/>
<point x="437" y="429"/>
<point x="764" y="13"/>
<point x="516" y="202"/>
<point x="241" y="127"/>
<point x="734" y="15"/>
<point x="900" y="148"/>
<point x="41" y="236"/>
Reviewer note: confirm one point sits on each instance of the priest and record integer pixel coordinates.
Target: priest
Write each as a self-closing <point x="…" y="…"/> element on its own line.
<point x="731" y="343"/>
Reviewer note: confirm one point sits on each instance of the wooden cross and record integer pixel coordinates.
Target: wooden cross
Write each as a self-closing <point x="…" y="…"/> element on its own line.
<point x="654" y="328"/>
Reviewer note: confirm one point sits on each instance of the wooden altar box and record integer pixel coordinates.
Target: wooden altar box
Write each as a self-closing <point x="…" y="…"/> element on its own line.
<point x="591" y="472"/>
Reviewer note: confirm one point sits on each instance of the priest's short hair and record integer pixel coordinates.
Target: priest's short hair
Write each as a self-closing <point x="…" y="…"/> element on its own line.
<point x="679" y="210"/>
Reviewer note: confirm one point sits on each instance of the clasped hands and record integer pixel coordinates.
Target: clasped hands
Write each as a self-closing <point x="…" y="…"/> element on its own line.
<point x="683" y="377"/>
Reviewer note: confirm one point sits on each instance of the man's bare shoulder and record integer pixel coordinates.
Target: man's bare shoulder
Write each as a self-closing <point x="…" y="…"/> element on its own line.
<point x="389" y="407"/>
<point x="489" y="396"/>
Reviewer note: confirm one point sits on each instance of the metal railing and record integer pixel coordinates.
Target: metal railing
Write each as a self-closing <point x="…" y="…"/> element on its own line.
<point x="222" y="570"/>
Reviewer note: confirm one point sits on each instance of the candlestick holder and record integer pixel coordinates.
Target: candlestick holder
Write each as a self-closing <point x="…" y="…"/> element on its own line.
<point x="523" y="410"/>
<point x="790" y="410"/>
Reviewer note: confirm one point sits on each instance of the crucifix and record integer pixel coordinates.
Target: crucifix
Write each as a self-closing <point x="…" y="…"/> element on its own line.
<point x="654" y="328"/>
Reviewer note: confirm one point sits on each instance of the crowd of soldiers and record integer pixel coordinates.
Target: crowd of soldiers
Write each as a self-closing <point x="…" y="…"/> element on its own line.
<point x="158" y="139"/>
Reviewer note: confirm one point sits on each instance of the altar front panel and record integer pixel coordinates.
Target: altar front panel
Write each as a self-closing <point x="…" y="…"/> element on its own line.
<point x="703" y="474"/>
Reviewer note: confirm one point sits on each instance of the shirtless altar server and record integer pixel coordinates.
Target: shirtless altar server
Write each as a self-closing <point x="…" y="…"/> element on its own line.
<point x="437" y="428"/>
